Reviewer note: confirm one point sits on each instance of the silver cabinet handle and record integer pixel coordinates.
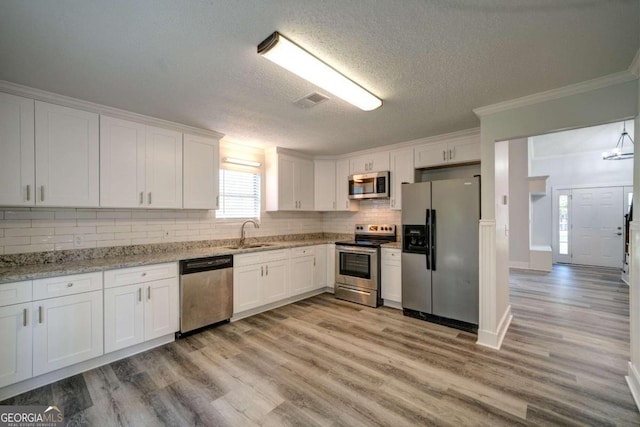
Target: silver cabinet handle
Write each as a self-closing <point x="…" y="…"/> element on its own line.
<point x="450" y="154"/>
<point x="444" y="155"/>
<point x="139" y="294"/>
<point x="69" y="285"/>
<point x="40" y="314"/>
<point x="314" y="261"/>
<point x="261" y="271"/>
<point x="618" y="234"/>
<point x="28" y="192"/>
<point x="267" y="269"/>
<point x="148" y="293"/>
<point x="42" y="193"/>
<point x="149" y="197"/>
<point x="141" y="197"/>
<point x="217" y="201"/>
<point x="25" y="316"/>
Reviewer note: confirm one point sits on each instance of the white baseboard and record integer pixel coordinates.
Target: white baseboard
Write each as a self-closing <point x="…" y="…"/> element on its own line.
<point x="522" y="265"/>
<point x="392" y="304"/>
<point x="633" y="380"/>
<point x="271" y="306"/>
<point x="48" y="378"/>
<point x="494" y="339"/>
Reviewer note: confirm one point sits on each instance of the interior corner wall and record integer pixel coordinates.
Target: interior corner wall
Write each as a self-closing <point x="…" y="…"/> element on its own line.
<point x="598" y="106"/>
<point x="518" y="201"/>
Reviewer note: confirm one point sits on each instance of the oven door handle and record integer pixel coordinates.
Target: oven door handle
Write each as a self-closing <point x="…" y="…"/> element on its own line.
<point x="358" y="251"/>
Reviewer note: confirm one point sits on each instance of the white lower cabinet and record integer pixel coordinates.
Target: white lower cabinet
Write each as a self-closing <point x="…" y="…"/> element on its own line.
<point x="302" y="270"/>
<point x="66" y="330"/>
<point x="247" y="282"/>
<point x="320" y="266"/>
<point x="137" y="309"/>
<point x="260" y="278"/>
<point x="331" y="265"/>
<point x="16" y="338"/>
<point x="275" y="284"/>
<point x="391" y="272"/>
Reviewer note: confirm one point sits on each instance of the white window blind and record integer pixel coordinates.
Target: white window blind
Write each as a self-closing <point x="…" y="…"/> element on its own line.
<point x="239" y="194"/>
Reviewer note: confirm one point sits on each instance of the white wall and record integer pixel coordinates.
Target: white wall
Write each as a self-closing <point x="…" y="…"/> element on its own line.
<point x="518" y="203"/>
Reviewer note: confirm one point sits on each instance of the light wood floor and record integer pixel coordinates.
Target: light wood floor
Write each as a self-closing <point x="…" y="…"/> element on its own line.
<point x="328" y="362"/>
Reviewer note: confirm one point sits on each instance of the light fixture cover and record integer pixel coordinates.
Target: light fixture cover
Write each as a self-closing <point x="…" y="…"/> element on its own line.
<point x="241" y="162"/>
<point x="292" y="57"/>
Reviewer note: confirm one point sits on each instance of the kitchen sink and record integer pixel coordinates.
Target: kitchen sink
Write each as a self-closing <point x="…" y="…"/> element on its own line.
<point x="252" y="246"/>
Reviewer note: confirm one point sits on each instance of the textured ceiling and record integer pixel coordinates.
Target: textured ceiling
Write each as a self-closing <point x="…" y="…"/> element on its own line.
<point x="195" y="62"/>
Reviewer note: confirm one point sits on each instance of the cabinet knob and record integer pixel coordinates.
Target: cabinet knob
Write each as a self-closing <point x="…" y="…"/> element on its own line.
<point x="144" y="274"/>
<point x="69" y="285"/>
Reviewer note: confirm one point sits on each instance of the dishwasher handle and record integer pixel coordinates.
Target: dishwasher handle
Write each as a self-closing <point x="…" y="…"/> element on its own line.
<point x="206" y="264"/>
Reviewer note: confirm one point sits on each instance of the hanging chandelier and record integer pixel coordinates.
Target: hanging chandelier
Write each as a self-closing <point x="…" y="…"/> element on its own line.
<point x="619" y="153"/>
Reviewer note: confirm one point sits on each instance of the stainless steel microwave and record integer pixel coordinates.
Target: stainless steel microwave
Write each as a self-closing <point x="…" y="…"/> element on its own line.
<point x="374" y="185"/>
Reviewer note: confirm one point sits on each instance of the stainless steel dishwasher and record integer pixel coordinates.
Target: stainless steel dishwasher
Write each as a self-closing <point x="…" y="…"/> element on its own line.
<point x="206" y="292"/>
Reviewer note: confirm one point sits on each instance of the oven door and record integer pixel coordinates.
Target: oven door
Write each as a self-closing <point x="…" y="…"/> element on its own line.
<point x="357" y="266"/>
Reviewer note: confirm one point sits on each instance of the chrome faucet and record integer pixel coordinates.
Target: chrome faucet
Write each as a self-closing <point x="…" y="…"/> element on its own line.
<point x="242" y="230"/>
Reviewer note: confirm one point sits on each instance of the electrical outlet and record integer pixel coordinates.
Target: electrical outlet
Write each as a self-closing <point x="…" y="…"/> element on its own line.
<point x="78" y="240"/>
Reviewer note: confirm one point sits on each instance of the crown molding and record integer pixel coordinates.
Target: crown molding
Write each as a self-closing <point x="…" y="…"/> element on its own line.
<point x="574" y="89"/>
<point x="634" y="68"/>
<point x="67" y="101"/>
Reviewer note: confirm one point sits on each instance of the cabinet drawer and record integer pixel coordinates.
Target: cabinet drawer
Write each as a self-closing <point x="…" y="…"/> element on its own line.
<point x="278" y="255"/>
<point x="391" y="255"/>
<point x="246" y="259"/>
<point x="147" y="273"/>
<point x="15" y="293"/>
<point x="303" y="251"/>
<point x="66" y="285"/>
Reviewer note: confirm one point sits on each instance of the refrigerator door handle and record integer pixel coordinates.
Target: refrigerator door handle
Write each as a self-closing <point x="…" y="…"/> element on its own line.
<point x="432" y="245"/>
<point x="427" y="253"/>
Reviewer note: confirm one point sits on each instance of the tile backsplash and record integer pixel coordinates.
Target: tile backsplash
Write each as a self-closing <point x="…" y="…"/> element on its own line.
<point x="41" y="229"/>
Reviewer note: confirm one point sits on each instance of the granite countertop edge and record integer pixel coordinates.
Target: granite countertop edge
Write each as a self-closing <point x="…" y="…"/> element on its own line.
<point x="41" y="271"/>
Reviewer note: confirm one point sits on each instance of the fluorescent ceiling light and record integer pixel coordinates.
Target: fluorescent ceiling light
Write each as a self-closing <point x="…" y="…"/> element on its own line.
<point x="292" y="57"/>
<point x="241" y="162"/>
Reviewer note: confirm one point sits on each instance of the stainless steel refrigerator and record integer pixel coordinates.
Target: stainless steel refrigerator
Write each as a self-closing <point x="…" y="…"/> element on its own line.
<point x="440" y="251"/>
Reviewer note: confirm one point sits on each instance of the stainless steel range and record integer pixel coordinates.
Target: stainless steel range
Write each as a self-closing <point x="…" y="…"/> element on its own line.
<point x="358" y="264"/>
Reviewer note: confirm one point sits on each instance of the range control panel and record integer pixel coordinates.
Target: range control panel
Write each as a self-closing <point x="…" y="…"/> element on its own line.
<point x="375" y="229"/>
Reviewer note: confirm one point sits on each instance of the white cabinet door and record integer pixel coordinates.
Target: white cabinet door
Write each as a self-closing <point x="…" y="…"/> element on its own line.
<point x="122" y="163"/>
<point x="343" y="203"/>
<point x="275" y="284"/>
<point x="358" y="165"/>
<point x="391" y="272"/>
<point x="401" y="171"/>
<point x="379" y="162"/>
<point x="123" y="317"/>
<point x="303" y="184"/>
<point x="465" y="151"/>
<point x="161" y="308"/>
<point x="163" y="168"/>
<point x="67" y="156"/>
<point x="320" y="266"/>
<point x="331" y="265"/>
<point x="325" y="185"/>
<point x="201" y="172"/>
<point x="433" y="154"/>
<point x="17" y="145"/>
<point x="16" y="337"/>
<point x="286" y="187"/>
<point x="67" y="330"/>
<point x="302" y="277"/>
<point x="247" y="284"/>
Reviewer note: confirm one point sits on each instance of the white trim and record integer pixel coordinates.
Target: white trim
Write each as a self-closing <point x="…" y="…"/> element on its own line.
<point x="67" y="101"/>
<point x="48" y="378"/>
<point x="574" y="89"/>
<point x="521" y="265"/>
<point x="263" y="308"/>
<point x="494" y="339"/>
<point x="392" y="304"/>
<point x="634" y="68"/>
<point x="583" y="186"/>
<point x="487" y="278"/>
<point x="633" y="381"/>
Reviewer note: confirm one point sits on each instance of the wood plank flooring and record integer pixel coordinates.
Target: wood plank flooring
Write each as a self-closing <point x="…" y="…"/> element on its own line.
<point x="332" y="363"/>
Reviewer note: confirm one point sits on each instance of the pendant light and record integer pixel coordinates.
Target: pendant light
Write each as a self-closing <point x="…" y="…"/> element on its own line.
<point x="619" y="152"/>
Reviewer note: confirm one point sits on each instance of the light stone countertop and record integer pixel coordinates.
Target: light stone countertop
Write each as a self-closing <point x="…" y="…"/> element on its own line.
<point x="38" y="271"/>
<point x="394" y="245"/>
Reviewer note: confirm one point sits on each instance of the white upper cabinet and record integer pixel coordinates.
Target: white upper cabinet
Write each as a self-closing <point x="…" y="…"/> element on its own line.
<point x="67" y="156"/>
<point x="325" y="185"/>
<point x="201" y="165"/>
<point x="140" y="166"/>
<point x="290" y="181"/>
<point x="374" y="162"/>
<point x="401" y="171"/>
<point x="343" y="202"/>
<point x="464" y="149"/>
<point x="164" y="168"/>
<point x="17" y="145"/>
<point x="122" y="163"/>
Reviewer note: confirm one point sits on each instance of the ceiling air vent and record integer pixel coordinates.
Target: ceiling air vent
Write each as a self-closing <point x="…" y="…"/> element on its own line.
<point x="311" y="100"/>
